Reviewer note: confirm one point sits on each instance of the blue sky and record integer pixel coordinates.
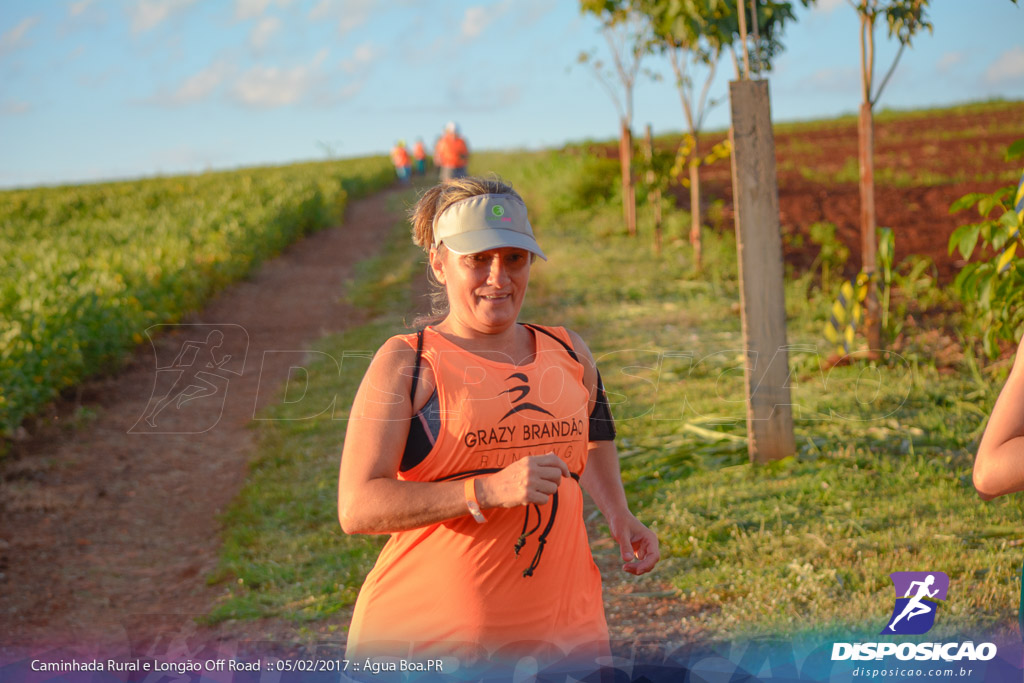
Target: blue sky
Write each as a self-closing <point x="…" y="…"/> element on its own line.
<point x="99" y="89"/>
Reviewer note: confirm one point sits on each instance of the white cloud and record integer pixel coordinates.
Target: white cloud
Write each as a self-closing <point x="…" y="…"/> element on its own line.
<point x="250" y="9"/>
<point x="349" y="15"/>
<point x="15" y="38"/>
<point x="322" y="10"/>
<point x="275" y="87"/>
<point x="361" y="58"/>
<point x="1008" y="68"/>
<point x="532" y="12"/>
<point x="357" y="13"/>
<point x="76" y="9"/>
<point x="352" y="89"/>
<point x="197" y="87"/>
<point x="475" y="21"/>
<point x="148" y="14"/>
<point x="828" y="5"/>
<point x="83" y="16"/>
<point x="477" y="18"/>
<point x="263" y="32"/>
<point x="14" y="107"/>
<point x="950" y="60"/>
<point x="200" y="85"/>
<point x="271" y="86"/>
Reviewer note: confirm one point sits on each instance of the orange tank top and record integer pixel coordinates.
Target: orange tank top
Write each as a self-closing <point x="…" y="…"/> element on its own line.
<point x="473" y="590"/>
<point x="400" y="156"/>
<point x="452" y="151"/>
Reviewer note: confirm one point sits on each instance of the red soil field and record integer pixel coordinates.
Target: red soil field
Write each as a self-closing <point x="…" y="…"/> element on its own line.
<point x="923" y="163"/>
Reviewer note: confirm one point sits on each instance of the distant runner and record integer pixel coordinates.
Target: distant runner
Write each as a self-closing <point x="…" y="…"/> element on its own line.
<point x="451" y="153"/>
<point x="400" y="158"/>
<point x="419" y="155"/>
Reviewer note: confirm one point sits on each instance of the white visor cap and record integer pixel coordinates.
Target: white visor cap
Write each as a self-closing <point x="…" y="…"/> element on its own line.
<point x="483" y="222"/>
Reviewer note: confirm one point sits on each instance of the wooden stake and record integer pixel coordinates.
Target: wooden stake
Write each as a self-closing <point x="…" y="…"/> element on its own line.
<point x="762" y="298"/>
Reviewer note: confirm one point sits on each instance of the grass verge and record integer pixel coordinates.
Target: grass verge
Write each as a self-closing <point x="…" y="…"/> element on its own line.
<point x="284" y="554"/>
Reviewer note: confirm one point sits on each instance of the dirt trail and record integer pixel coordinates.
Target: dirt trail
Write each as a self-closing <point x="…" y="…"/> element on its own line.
<point x="109" y="529"/>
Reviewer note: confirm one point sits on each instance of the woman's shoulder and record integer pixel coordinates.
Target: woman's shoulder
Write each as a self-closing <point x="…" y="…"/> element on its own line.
<point x="395" y="353"/>
<point x="398" y="344"/>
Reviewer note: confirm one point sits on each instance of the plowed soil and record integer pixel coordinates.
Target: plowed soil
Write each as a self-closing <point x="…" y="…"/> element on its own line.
<point x="923" y="163"/>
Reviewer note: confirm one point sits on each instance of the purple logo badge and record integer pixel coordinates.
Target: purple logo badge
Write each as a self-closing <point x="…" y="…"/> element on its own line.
<point x="917" y="599"/>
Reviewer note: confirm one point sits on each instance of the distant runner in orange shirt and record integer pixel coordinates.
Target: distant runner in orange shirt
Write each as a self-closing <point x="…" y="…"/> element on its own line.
<point x="400" y="158"/>
<point x="419" y="155"/>
<point x="471" y="443"/>
<point x="451" y="153"/>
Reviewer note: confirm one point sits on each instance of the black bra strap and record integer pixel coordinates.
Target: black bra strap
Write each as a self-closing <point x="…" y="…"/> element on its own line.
<point x="567" y="347"/>
<point x="416" y="367"/>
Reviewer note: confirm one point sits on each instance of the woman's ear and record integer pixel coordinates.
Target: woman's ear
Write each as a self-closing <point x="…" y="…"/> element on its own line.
<point x="437" y="264"/>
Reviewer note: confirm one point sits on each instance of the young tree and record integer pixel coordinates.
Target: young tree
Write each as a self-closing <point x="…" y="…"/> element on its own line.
<point x="688" y="35"/>
<point x="694" y="33"/>
<point x="627" y="34"/>
<point x="905" y="18"/>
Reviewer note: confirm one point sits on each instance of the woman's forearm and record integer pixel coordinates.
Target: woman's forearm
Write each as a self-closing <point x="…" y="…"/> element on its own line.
<point x="385" y="505"/>
<point x="381" y="504"/>
<point x="602" y="479"/>
<point x="999" y="465"/>
<point x="999" y="469"/>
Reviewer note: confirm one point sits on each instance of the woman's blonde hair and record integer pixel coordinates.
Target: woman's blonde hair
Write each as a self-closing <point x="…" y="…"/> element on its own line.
<point x="438" y="198"/>
<point x="432" y="204"/>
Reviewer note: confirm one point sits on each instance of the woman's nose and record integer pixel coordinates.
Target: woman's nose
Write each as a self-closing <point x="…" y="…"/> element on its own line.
<point x="497" y="276"/>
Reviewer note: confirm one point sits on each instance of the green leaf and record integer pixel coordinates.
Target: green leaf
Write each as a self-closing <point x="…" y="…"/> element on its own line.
<point x="960" y="283"/>
<point x="1000" y="236"/>
<point x="968" y="240"/>
<point x="988" y="342"/>
<point x="1016" y="149"/>
<point x="985" y="300"/>
<point x="972" y="282"/>
<point x="886" y="246"/>
<point x="981" y="279"/>
<point x="1012" y="221"/>
<point x="966" y="202"/>
<point x="954" y="239"/>
<point x="987" y="203"/>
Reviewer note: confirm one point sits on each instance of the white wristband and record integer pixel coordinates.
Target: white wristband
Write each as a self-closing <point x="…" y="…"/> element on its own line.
<point x="469" y="488"/>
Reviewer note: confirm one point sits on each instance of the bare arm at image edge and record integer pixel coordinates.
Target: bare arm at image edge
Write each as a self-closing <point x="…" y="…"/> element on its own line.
<point x="999" y="465"/>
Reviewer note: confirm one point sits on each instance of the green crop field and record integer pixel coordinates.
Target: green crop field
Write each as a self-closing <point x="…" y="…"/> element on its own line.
<point x="85" y="270"/>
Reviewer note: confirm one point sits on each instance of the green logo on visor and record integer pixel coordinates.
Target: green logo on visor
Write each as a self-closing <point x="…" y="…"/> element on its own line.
<point x="498" y="210"/>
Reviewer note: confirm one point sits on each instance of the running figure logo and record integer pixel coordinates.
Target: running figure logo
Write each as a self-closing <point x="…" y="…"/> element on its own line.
<point x="917" y="599"/>
<point x="195" y="382"/>
<point x="518" y="405"/>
